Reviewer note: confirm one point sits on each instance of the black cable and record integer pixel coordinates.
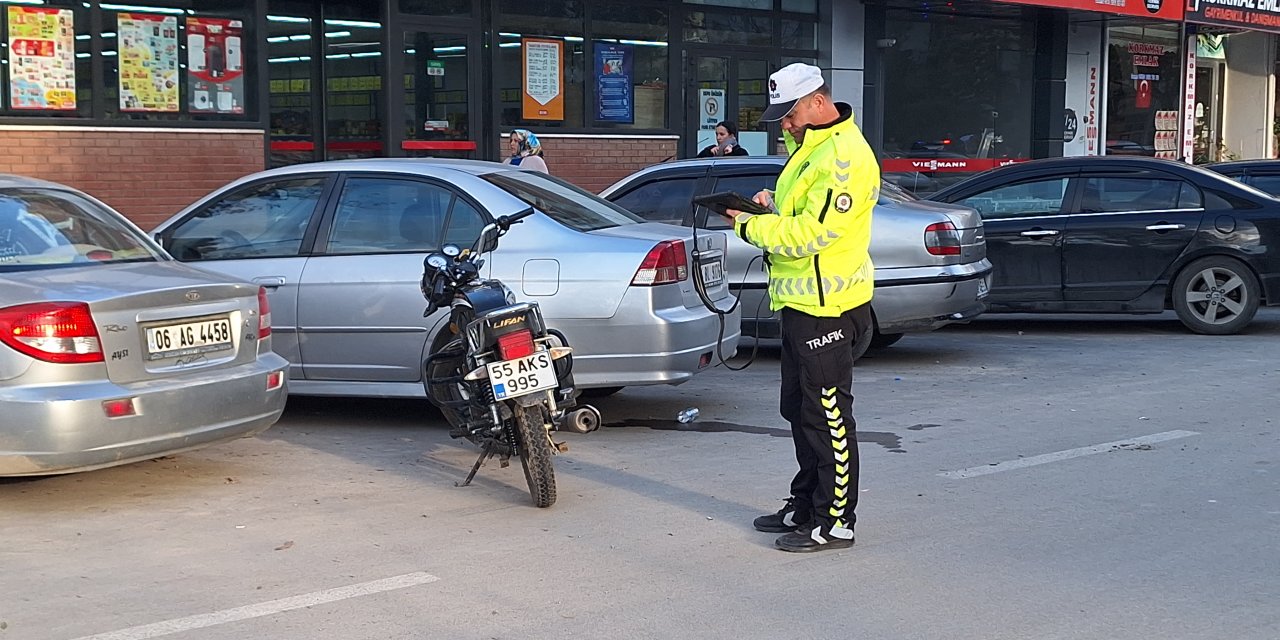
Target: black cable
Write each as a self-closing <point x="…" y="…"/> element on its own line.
<point x="700" y="287"/>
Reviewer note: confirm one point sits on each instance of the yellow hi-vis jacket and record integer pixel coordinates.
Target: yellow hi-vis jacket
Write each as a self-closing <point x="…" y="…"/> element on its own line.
<point x="817" y="243"/>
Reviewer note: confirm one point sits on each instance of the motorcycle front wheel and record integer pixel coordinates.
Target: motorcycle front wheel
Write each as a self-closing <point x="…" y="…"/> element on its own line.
<point x="535" y="454"/>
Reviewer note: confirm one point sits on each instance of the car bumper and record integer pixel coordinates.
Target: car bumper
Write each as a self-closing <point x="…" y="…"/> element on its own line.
<point x="924" y="299"/>
<point x="63" y="428"/>
<point x="643" y="345"/>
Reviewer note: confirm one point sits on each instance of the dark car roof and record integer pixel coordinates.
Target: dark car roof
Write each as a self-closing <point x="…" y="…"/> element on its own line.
<point x="1238" y="166"/>
<point x="1194" y="173"/>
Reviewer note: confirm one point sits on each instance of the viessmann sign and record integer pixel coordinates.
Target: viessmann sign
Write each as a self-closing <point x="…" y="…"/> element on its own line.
<point x="1263" y="15"/>
<point x="1163" y="9"/>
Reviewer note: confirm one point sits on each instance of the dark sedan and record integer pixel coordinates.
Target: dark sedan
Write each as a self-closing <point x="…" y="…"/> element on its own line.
<point x="1126" y="235"/>
<point x="1263" y="175"/>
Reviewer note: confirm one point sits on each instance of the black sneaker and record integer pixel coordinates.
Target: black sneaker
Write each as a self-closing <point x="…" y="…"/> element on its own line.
<point x="807" y="540"/>
<point x="788" y="518"/>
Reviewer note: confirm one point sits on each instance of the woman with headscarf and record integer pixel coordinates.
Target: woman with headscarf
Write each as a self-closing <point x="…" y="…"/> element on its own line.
<point x="726" y="142"/>
<point x="526" y="153"/>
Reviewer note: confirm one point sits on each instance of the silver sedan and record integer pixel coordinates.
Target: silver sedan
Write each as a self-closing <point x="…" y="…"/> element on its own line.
<point x="930" y="258"/>
<point x="112" y="352"/>
<point x="340" y="247"/>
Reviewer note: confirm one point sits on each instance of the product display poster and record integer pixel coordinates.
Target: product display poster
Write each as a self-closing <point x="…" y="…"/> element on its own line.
<point x="148" y="62"/>
<point x="215" y="65"/>
<point x="543" y="79"/>
<point x="615" y="99"/>
<point x="42" y="58"/>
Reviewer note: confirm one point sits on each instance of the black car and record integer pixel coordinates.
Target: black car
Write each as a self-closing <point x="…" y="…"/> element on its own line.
<point x="1263" y="175"/>
<point x="1126" y="235"/>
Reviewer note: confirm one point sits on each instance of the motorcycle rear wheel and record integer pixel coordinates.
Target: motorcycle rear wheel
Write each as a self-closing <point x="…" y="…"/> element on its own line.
<point x="535" y="455"/>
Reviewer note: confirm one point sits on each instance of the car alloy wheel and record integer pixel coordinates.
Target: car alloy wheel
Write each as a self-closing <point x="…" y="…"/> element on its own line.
<point x="1216" y="295"/>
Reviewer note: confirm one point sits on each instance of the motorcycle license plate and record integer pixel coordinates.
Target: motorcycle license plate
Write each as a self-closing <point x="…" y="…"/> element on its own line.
<point x="522" y="376"/>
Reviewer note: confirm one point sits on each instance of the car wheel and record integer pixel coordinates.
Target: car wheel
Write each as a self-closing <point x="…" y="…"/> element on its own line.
<point x="882" y="340"/>
<point x="1216" y="295"/>
<point x="600" y="392"/>
<point x="860" y="347"/>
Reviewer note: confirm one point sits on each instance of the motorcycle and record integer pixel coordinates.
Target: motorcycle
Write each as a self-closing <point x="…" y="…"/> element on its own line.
<point x="500" y="376"/>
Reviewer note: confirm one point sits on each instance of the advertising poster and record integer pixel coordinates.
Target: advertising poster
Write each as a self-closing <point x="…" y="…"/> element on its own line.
<point x="1161" y="9"/>
<point x="543" y="79"/>
<point x="148" y="62"/>
<point x="1080" y="127"/>
<point x="615" y="94"/>
<point x="215" y="65"/>
<point x="42" y="58"/>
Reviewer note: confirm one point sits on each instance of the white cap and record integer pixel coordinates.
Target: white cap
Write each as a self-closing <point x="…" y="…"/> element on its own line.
<point x="787" y="85"/>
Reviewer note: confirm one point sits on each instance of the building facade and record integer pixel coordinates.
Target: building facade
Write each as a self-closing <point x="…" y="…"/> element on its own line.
<point x="151" y="104"/>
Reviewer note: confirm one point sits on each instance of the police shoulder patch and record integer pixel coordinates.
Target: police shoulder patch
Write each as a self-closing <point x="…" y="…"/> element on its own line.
<point x="844" y="202"/>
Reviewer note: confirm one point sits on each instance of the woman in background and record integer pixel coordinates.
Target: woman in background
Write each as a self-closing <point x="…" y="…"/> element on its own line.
<point x="526" y="153"/>
<point x="726" y="142"/>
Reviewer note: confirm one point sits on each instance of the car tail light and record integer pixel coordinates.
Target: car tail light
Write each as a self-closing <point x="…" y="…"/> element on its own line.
<point x="665" y="264"/>
<point x="516" y="344"/>
<point x="61" y="332"/>
<point x="264" y="314"/>
<point x="942" y="239"/>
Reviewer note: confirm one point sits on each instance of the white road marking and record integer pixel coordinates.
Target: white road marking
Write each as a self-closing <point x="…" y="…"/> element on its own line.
<point x="1020" y="463"/>
<point x="178" y="625"/>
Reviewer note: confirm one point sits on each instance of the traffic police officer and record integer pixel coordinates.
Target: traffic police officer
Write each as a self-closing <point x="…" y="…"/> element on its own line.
<point x="821" y="278"/>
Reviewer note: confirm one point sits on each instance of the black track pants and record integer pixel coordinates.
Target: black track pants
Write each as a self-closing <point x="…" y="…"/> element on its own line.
<point x="817" y="399"/>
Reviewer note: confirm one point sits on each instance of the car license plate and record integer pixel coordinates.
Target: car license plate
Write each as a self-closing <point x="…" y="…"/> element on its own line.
<point x="522" y="376"/>
<point x="983" y="286"/>
<point x="712" y="273"/>
<point x="188" y="338"/>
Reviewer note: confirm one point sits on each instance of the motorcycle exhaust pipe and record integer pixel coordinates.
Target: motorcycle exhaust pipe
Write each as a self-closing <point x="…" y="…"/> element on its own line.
<point x="584" y="419"/>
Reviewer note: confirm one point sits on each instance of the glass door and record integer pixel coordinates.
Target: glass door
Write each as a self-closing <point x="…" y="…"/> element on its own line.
<point x="727" y="88"/>
<point x="439" y="114"/>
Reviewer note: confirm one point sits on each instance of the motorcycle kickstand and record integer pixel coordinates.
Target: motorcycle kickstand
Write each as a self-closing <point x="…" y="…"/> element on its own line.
<point x="485" y="454"/>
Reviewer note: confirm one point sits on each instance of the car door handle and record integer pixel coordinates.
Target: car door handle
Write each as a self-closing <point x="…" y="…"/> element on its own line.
<point x="1037" y="233"/>
<point x="270" y="282"/>
<point x="1165" y="227"/>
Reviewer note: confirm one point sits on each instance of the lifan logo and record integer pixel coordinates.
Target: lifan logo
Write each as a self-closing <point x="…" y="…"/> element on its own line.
<point x="507" y="322"/>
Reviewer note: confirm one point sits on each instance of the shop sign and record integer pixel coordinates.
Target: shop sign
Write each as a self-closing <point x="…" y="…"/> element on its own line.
<point x="944" y="165"/>
<point x="1091" y="130"/>
<point x="1163" y="9"/>
<point x="435" y="68"/>
<point x="1189" y="103"/>
<point x="42" y="58"/>
<point x="615" y="99"/>
<point x="543" y="79"/>
<point x="1262" y="15"/>
<point x="215" y="65"/>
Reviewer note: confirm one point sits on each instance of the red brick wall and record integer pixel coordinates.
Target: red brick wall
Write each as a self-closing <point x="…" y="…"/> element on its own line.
<point x="145" y="174"/>
<point x="595" y="162"/>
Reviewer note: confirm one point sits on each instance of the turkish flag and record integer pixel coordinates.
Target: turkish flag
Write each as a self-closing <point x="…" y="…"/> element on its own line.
<point x="1143" y="100"/>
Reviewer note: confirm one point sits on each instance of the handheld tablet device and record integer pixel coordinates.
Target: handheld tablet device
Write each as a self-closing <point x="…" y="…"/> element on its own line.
<point x="722" y="201"/>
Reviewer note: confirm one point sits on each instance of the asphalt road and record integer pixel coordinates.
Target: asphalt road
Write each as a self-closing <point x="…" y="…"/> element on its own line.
<point x="1022" y="478"/>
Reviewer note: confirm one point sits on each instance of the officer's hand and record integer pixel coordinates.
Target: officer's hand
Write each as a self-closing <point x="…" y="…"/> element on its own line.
<point x="764" y="199"/>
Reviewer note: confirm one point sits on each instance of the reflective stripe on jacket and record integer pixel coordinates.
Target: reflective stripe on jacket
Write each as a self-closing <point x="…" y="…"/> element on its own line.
<point x="817" y="244"/>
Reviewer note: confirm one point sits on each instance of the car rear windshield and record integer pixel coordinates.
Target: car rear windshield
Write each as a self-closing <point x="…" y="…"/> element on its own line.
<point x="892" y="193"/>
<point x="44" y="228"/>
<point x="561" y="201"/>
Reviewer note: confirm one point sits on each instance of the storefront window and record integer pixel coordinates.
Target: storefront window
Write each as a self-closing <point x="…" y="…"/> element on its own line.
<point x="354" y="71"/>
<point x="542" y="63"/>
<point x="728" y="28"/>
<point x="167" y="63"/>
<point x="800" y="6"/>
<point x="630" y="66"/>
<point x="437" y="106"/>
<point x="1144" y="91"/>
<point x="799" y="35"/>
<point x="46" y="60"/>
<point x="958" y="86"/>
<point x="289" y="61"/>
